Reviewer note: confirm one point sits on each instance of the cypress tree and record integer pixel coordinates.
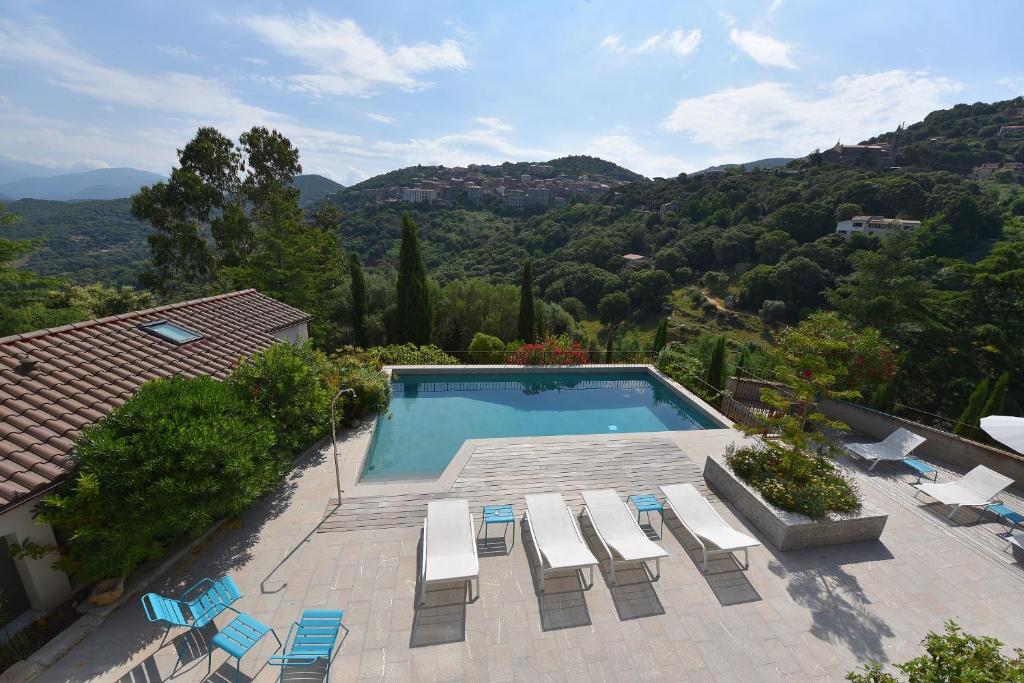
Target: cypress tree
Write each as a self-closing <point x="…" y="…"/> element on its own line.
<point x="661" y="336"/>
<point x="527" y="316"/>
<point x="972" y="413"/>
<point x="359" y="303"/>
<point x="542" y="330"/>
<point x="414" y="314"/>
<point x="994" y="404"/>
<point x="608" y="345"/>
<point x="716" y="366"/>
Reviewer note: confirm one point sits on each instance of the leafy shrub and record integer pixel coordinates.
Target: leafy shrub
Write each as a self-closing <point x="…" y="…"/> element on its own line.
<point x="576" y="308"/>
<point x="410" y="354"/>
<point x="360" y="371"/>
<point x="291" y="386"/>
<point x="795" y="481"/>
<point x="679" y="364"/>
<point x="486" y="349"/>
<point x="551" y="351"/>
<point x="952" y="656"/>
<point x="176" y="456"/>
<point x="715" y="281"/>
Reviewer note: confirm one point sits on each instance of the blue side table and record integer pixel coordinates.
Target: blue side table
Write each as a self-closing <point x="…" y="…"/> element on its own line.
<point x="647" y="503"/>
<point x="237" y="638"/>
<point x="499" y="514"/>
<point x="1003" y="512"/>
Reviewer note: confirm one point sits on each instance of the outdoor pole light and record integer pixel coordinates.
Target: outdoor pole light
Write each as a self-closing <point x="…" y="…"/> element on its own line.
<point x="334" y="435"/>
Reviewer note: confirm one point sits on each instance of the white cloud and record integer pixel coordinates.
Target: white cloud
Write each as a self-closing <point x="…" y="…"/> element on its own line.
<point x="621" y="148"/>
<point x="493" y="123"/>
<point x="179" y="52"/>
<point x="381" y="118"/>
<point x="612" y="43"/>
<point x="677" y="41"/>
<point x="346" y="61"/>
<point x="763" y="49"/>
<point x="776" y="119"/>
<point x="774" y="7"/>
<point x="258" y="61"/>
<point x="171" y="93"/>
<point x="1015" y="84"/>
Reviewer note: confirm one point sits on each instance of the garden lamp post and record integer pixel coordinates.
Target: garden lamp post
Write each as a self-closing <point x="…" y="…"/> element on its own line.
<point x="334" y="434"/>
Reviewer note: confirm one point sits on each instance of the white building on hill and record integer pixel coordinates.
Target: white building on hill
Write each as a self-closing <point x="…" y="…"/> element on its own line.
<point x="877" y="226"/>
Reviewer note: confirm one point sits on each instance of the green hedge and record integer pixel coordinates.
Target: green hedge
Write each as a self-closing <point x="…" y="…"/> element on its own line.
<point x="162" y="467"/>
<point x="292" y="386"/>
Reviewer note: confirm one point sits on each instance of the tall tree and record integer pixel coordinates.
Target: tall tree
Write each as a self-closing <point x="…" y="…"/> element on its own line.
<point x="414" y="316"/>
<point x="716" y="366"/>
<point x="994" y="404"/>
<point x="661" y="336"/>
<point x="359" y="302"/>
<point x="220" y="187"/>
<point x="527" y="315"/>
<point x="972" y="413"/>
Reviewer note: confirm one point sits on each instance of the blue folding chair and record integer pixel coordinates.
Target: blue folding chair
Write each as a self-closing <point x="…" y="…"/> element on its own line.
<point x="197" y="606"/>
<point x="311" y="639"/>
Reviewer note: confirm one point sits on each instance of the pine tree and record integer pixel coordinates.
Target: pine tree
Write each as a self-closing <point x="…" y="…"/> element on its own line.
<point x="359" y="302"/>
<point x="414" y="315"/>
<point x="716" y="366"/>
<point x="661" y="336"/>
<point x="972" y="413"/>
<point x="994" y="404"/>
<point x="527" y="316"/>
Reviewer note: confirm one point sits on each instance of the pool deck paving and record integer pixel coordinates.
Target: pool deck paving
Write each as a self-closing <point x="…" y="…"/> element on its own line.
<point x="804" y="615"/>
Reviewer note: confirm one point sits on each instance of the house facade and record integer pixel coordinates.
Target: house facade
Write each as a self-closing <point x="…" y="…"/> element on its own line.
<point x="57" y="381"/>
<point x="876" y="226"/>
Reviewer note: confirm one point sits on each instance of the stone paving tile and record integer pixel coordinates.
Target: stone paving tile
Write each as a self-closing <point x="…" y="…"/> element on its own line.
<point x="807" y="615"/>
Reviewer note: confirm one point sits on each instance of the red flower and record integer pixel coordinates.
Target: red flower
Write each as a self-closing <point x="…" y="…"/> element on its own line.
<point x="807" y="373"/>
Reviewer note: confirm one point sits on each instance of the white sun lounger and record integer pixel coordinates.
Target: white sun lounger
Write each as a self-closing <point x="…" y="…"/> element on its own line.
<point x="976" y="488"/>
<point x="705" y="524"/>
<point x="897" y="446"/>
<point x="556" y="536"/>
<point x="449" y="546"/>
<point x="619" y="532"/>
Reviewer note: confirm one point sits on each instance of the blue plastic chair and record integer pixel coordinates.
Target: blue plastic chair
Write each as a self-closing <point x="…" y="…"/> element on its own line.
<point x="197" y="606"/>
<point x="237" y="638"/>
<point x="311" y="639"/>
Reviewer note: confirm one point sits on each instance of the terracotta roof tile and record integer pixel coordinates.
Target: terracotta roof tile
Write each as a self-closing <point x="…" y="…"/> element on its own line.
<point x="86" y="369"/>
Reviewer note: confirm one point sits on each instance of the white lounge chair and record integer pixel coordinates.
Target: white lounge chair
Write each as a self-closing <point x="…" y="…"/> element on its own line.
<point x="705" y="524"/>
<point x="1016" y="543"/>
<point x="449" y="547"/>
<point x="976" y="488"/>
<point x="897" y="446"/>
<point x="619" y="532"/>
<point x="556" y="536"/>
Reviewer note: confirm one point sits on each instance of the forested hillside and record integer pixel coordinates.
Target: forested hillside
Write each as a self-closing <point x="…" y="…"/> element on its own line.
<point x="740" y="253"/>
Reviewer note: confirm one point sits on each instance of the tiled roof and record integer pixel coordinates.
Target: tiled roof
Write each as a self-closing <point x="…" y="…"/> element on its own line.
<point x="86" y="369"/>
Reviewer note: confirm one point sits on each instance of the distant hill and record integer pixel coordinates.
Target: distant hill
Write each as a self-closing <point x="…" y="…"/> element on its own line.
<point x="85" y="241"/>
<point x="4" y="198"/>
<point x="769" y="163"/>
<point x="959" y="138"/>
<point x="314" y="188"/>
<point x="571" y="166"/>
<point x="12" y="169"/>
<point x="102" y="183"/>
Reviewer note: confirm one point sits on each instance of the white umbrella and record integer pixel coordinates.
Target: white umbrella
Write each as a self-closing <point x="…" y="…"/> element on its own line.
<point x="1009" y="430"/>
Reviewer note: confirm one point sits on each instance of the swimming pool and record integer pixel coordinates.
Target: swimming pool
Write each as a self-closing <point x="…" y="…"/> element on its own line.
<point x="431" y="415"/>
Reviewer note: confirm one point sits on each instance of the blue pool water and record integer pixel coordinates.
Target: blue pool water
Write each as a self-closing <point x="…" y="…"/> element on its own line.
<point x="431" y="415"/>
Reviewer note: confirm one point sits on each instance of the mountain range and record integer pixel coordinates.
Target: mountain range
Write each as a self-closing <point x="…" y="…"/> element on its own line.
<point x="101" y="183"/>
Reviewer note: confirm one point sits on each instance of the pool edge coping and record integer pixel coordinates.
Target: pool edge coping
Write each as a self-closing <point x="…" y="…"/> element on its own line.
<point x="352" y="469"/>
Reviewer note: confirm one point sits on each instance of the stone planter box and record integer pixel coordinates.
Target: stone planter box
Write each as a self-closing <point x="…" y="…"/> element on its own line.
<point x="791" y="530"/>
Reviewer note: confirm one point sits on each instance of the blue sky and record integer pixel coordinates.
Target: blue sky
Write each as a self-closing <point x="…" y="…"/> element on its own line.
<point x="365" y="87"/>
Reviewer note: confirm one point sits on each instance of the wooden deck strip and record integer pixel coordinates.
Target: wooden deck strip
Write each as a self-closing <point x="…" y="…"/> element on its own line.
<point x="505" y="472"/>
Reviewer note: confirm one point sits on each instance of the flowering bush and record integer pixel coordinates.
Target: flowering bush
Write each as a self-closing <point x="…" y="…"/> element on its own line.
<point x="551" y="351"/>
<point x="795" y="481"/>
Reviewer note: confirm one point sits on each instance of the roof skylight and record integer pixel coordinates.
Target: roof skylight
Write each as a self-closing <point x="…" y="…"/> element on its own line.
<point x="170" y="332"/>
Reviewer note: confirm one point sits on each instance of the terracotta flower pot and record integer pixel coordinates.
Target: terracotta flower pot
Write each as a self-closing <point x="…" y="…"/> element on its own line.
<point x="107" y="591"/>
